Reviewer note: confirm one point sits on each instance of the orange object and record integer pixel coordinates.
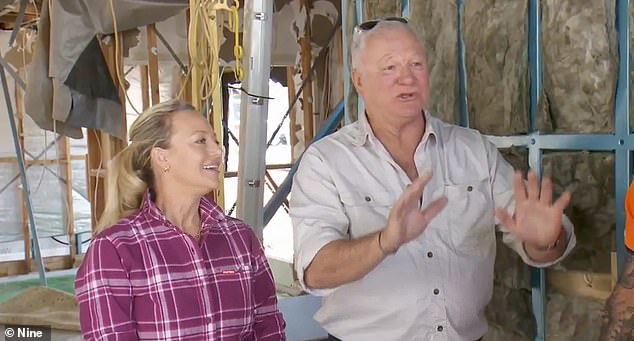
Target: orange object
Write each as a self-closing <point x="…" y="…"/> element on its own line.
<point x="629" y="218"/>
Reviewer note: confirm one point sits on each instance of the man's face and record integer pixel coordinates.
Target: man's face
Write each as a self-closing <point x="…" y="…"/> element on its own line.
<point x="392" y="75"/>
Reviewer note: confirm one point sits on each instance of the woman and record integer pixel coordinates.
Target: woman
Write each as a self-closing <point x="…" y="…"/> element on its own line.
<point x="167" y="264"/>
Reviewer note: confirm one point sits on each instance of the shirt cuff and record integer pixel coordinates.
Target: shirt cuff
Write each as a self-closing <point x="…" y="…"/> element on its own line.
<point x="571" y="241"/>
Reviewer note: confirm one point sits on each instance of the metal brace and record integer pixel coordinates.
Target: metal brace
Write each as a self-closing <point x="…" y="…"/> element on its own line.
<point x="260" y="16"/>
<point x="253" y="183"/>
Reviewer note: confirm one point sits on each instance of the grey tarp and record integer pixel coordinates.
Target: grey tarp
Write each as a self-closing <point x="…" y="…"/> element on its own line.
<point x="68" y="79"/>
<point x="4" y="3"/>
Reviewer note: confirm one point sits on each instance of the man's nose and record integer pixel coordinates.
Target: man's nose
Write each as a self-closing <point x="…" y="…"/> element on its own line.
<point x="406" y="75"/>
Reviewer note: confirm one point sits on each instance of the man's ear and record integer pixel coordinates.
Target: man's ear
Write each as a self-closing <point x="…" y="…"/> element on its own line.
<point x="356" y="79"/>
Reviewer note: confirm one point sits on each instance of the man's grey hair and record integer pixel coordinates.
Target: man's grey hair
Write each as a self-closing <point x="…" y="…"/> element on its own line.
<point x="360" y="37"/>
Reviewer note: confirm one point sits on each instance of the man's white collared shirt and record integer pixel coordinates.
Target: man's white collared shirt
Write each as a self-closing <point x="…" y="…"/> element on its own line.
<point x="435" y="287"/>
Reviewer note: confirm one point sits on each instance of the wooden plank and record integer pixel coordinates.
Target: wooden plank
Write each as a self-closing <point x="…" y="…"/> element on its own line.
<point x="186" y="79"/>
<point x="340" y="77"/>
<point x="19" y="267"/>
<point x="306" y="60"/>
<point x="13" y="159"/>
<point x="145" y="86"/>
<point x="25" y="219"/>
<point x="596" y="286"/>
<point x="292" y="125"/>
<point x="14" y="268"/>
<point x="96" y="188"/>
<point x="152" y="53"/>
<point x="64" y="149"/>
<point x="103" y="147"/>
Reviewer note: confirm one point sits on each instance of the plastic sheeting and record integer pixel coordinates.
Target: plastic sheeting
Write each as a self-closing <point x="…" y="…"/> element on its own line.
<point x="47" y="185"/>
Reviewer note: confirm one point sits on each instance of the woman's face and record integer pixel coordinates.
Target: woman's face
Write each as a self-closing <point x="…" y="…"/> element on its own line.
<point x="193" y="158"/>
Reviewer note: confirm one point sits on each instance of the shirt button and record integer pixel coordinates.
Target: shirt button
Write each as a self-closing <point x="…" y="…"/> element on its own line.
<point x="368" y="199"/>
<point x="469" y="188"/>
<point x="439" y="328"/>
<point x="430" y="254"/>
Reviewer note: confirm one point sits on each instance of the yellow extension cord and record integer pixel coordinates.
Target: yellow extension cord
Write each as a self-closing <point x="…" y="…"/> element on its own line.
<point x="203" y="48"/>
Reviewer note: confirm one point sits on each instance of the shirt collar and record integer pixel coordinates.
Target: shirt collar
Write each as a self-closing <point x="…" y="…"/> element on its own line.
<point x="364" y="132"/>
<point x="210" y="212"/>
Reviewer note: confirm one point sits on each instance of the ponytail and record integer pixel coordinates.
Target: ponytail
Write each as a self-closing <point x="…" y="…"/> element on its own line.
<point x="130" y="172"/>
<point x="125" y="187"/>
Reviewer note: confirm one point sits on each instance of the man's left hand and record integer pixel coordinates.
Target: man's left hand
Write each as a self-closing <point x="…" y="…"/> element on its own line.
<point x="537" y="220"/>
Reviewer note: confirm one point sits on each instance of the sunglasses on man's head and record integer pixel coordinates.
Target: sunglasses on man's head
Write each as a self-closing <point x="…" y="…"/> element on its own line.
<point x="370" y="24"/>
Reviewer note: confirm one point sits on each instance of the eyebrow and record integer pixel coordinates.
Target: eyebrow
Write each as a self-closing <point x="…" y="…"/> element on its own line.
<point x="203" y="132"/>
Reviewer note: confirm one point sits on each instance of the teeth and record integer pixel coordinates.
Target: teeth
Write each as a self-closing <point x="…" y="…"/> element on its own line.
<point x="210" y="167"/>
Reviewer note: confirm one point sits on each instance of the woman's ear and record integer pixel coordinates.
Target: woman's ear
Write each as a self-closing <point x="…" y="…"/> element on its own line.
<point x="159" y="158"/>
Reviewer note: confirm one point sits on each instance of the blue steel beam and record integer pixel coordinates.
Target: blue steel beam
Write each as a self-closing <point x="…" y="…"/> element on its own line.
<point x="463" y="109"/>
<point x="405" y="12"/>
<point x="347" y="81"/>
<point x="623" y="165"/>
<point x="538" y="276"/>
<point x="590" y="142"/>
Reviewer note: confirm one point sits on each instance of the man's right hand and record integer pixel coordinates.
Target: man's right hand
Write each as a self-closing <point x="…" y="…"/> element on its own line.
<point x="407" y="221"/>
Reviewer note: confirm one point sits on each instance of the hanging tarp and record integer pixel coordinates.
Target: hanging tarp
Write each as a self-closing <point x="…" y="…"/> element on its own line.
<point x="68" y="82"/>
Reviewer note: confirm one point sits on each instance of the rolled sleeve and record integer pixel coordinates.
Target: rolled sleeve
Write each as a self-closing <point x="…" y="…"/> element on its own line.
<point x="316" y="212"/>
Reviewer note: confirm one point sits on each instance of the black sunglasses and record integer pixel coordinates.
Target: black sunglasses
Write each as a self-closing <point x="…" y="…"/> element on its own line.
<point x="370" y="24"/>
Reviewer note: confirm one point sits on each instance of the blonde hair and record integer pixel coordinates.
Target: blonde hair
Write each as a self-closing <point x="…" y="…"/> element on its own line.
<point x="130" y="171"/>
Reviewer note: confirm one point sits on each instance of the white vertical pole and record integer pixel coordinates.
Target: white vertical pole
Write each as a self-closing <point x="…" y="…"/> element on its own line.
<point x="253" y="112"/>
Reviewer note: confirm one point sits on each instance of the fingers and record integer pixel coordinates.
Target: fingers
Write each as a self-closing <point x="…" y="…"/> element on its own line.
<point x="563" y="201"/>
<point x="419" y="184"/>
<point x="434" y="208"/>
<point x="546" y="195"/>
<point x="533" y="186"/>
<point x="414" y="192"/>
<point x="518" y="186"/>
<point x="505" y="219"/>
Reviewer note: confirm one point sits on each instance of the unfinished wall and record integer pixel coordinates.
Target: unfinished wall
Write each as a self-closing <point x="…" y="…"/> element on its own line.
<point x="381" y="8"/>
<point x="580" y="65"/>
<point x="435" y="23"/>
<point x="496" y="56"/>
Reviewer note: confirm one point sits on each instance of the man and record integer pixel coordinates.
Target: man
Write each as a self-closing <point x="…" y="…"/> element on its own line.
<point x="371" y="230"/>
<point x="618" y="322"/>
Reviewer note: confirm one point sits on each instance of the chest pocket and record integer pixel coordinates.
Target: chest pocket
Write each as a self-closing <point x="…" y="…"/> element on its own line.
<point x="471" y="221"/>
<point x="234" y="282"/>
<point x="367" y="211"/>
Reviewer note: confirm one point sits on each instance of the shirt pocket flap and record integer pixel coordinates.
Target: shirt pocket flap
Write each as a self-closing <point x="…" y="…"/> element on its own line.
<point x="232" y="269"/>
<point x="358" y="198"/>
